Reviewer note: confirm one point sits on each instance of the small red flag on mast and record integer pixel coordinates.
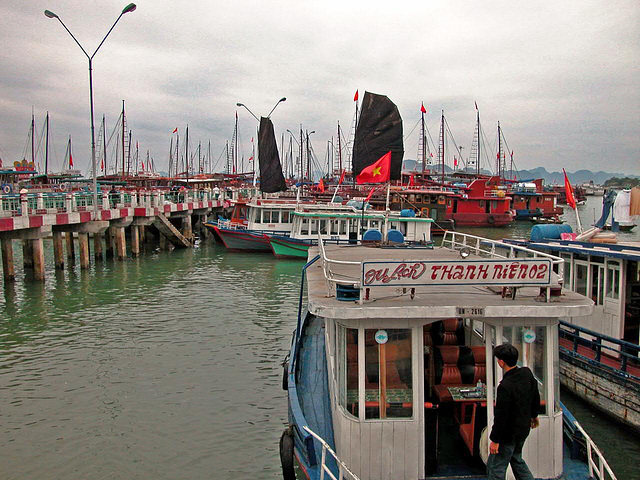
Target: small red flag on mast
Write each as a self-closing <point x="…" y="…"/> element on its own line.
<point x="422" y="109"/>
<point x="70" y="160"/>
<point x="175" y="130"/>
<point x="342" y="176"/>
<point x="368" y="196"/>
<point x="355" y="97"/>
<point x="568" y="189"/>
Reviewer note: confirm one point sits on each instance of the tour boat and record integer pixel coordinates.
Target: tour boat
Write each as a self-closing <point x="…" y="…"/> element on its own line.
<point x="530" y="200"/>
<point x="391" y="372"/>
<point x="482" y="204"/>
<point x="348" y="224"/>
<point x="600" y="353"/>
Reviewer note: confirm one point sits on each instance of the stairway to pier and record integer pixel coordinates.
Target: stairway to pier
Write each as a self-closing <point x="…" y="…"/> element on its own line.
<point x="166" y="228"/>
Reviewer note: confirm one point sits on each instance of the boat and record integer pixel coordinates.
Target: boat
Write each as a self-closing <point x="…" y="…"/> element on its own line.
<point x="600" y="352"/>
<point x="348" y="224"/>
<point x="530" y="200"/>
<point x="245" y="232"/>
<point x="389" y="373"/>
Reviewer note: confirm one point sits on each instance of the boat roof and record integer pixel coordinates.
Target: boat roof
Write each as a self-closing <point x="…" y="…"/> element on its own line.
<point x="358" y="214"/>
<point x="623" y="250"/>
<point x="346" y="267"/>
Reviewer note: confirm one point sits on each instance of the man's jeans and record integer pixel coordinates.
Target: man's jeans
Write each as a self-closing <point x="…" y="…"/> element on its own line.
<point x="508" y="453"/>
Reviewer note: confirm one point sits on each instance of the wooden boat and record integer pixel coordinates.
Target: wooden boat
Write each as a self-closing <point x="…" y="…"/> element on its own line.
<point x="347" y="224"/>
<point x="531" y="200"/>
<point x="600" y="353"/>
<point x="383" y="372"/>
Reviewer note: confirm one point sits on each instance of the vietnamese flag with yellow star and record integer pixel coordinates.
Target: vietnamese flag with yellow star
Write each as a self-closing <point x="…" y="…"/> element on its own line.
<point x="378" y="172"/>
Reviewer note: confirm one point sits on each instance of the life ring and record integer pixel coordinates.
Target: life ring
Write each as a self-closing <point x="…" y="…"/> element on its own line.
<point x="491" y="220"/>
<point x="286" y="455"/>
<point x="441" y="199"/>
<point x="285" y="375"/>
<point x="63" y="187"/>
<point x="6" y="188"/>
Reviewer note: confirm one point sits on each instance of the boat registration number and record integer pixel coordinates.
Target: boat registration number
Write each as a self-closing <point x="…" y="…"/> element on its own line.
<point x="469" y="312"/>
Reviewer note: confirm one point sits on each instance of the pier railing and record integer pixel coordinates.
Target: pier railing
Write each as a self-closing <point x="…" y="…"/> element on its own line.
<point x="42" y="203"/>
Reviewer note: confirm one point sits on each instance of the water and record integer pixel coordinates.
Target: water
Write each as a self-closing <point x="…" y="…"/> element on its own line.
<point x="166" y="366"/>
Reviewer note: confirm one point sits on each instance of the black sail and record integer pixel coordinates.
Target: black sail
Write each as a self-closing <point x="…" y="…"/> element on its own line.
<point x="271" y="177"/>
<point x="379" y="130"/>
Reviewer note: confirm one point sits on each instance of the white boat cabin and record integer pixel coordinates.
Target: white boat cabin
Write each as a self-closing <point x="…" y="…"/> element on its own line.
<point x="349" y="224"/>
<point x="609" y="274"/>
<point x="409" y="333"/>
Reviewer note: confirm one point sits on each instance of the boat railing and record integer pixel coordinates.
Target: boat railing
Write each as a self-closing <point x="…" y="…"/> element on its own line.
<point x="625" y="351"/>
<point x="333" y="278"/>
<point x="497" y="249"/>
<point x="343" y="470"/>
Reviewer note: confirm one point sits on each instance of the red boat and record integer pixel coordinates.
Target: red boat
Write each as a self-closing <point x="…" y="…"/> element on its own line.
<point x="531" y="200"/>
<point x="483" y="204"/>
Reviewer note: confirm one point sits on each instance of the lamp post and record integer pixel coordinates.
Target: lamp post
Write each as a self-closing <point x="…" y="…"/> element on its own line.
<point x="49" y="14"/>
<point x="283" y="99"/>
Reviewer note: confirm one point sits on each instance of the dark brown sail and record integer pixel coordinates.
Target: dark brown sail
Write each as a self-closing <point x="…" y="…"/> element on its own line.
<point x="379" y="130"/>
<point x="271" y="177"/>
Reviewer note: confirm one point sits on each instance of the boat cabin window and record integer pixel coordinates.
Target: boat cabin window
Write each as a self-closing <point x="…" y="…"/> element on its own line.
<point x="613" y="280"/>
<point x="597" y="283"/>
<point x="347" y="352"/>
<point x="286" y="218"/>
<point x="580" y="277"/>
<point x="388" y="375"/>
<point x="304" y="227"/>
<point x="567" y="269"/>
<point x="314" y="226"/>
<point x="531" y="343"/>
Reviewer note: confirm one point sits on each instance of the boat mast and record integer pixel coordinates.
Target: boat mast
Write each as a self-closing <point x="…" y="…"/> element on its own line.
<point x="235" y="147"/>
<point x="208" y="162"/>
<point x="442" y="147"/>
<point x="499" y="170"/>
<point x="46" y="148"/>
<point x="302" y="172"/>
<point x="186" y="152"/>
<point x="123" y="139"/>
<point x="424" y="141"/>
<point x="478" y="152"/>
<point x="339" y="150"/>
<point x="200" y="167"/>
<point x="170" y="156"/>
<point x="104" y="144"/>
<point x="129" y="156"/>
<point x="176" y="161"/>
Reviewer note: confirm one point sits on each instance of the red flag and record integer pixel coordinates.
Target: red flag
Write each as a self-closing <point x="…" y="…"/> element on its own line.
<point x="251" y="158"/>
<point x="342" y="176"/>
<point x="455" y="162"/>
<point x="175" y="130"/>
<point x="101" y="164"/>
<point x="321" y="185"/>
<point x="378" y="172"/>
<point x="422" y="109"/>
<point x="369" y="196"/>
<point x="411" y="182"/>
<point x="571" y="201"/>
<point x="142" y="164"/>
<point x="70" y="160"/>
<point x="355" y="97"/>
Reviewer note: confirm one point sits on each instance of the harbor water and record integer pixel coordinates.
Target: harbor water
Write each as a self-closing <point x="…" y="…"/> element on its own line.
<point x="169" y="366"/>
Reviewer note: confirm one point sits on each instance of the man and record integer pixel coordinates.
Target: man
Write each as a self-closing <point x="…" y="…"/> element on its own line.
<point x="516" y="412"/>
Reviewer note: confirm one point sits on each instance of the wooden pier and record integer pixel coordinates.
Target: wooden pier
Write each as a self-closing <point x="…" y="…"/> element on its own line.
<point x="67" y="217"/>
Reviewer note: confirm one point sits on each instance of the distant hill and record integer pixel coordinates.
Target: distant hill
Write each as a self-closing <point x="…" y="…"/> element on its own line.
<point x="581" y="176"/>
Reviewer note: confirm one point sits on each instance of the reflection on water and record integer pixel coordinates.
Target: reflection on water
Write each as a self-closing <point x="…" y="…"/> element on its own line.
<point x="164" y="366"/>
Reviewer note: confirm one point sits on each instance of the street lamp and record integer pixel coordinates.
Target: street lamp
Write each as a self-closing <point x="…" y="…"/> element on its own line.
<point x="49" y="14"/>
<point x="283" y="99"/>
<point x="243" y="105"/>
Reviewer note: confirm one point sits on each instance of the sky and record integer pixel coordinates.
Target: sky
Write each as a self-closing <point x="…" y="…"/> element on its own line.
<point x="562" y="78"/>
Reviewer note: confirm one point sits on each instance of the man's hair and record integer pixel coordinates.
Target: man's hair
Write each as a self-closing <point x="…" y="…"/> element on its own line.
<point x="507" y="353"/>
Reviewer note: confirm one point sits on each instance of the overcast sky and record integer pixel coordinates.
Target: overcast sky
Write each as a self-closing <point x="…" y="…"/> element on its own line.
<point x="561" y="77"/>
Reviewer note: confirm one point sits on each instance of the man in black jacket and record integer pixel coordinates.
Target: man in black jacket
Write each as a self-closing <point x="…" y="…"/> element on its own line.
<point x="516" y="412"/>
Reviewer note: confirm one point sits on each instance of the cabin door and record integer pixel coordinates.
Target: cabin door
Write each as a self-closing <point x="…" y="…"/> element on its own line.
<point x="613" y="322"/>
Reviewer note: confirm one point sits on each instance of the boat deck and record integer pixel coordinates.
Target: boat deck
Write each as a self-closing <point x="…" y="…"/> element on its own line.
<point x="430" y="301"/>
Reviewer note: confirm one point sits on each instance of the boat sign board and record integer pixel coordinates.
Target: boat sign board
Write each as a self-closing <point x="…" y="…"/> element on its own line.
<point x="523" y="272"/>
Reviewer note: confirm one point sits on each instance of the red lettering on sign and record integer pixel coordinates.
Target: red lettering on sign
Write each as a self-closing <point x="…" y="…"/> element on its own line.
<point x="543" y="271"/>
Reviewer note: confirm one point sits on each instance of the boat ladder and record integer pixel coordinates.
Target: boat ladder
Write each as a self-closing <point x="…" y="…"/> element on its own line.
<point x="343" y="470"/>
<point x="595" y="460"/>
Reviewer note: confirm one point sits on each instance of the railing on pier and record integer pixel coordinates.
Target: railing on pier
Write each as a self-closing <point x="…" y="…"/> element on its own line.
<point x="625" y="352"/>
<point x="42" y="203"/>
<point x="344" y="472"/>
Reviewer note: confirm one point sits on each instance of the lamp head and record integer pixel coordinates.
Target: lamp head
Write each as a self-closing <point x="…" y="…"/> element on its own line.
<point x="239" y="104"/>
<point x="129" y="8"/>
<point x="465" y="252"/>
<point x="282" y="99"/>
<point x="50" y="14"/>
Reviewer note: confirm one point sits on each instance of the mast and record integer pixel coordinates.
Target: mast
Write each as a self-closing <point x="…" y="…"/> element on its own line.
<point x="46" y="148"/>
<point x="208" y="162"/>
<point x="33" y="135"/>
<point x="302" y="172"/>
<point x="235" y="146"/>
<point x="170" y="156"/>
<point x="478" y="152"/>
<point x="123" y="139"/>
<point x="499" y="170"/>
<point x="200" y="167"/>
<point x="226" y="155"/>
<point x="339" y="150"/>
<point x="186" y="152"/>
<point x="442" y="147"/>
<point x="177" y="159"/>
<point x="104" y="144"/>
<point x="129" y="156"/>
<point x="424" y="141"/>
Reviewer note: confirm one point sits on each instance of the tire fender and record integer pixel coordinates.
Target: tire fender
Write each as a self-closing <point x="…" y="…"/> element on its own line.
<point x="286" y="455"/>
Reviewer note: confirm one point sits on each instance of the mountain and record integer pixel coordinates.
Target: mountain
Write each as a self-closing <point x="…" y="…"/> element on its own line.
<point x="580" y="176"/>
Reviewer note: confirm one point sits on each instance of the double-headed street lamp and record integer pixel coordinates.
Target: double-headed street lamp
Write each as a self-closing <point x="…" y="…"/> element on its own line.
<point x="253" y="114"/>
<point x="129" y="8"/>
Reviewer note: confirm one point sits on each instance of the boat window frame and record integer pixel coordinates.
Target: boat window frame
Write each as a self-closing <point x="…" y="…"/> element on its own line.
<point x="613" y="266"/>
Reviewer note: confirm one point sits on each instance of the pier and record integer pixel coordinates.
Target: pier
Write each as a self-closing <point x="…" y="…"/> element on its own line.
<point x="66" y="217"/>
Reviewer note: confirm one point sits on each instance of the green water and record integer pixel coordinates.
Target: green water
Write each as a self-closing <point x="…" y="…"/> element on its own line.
<point x="166" y="366"/>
